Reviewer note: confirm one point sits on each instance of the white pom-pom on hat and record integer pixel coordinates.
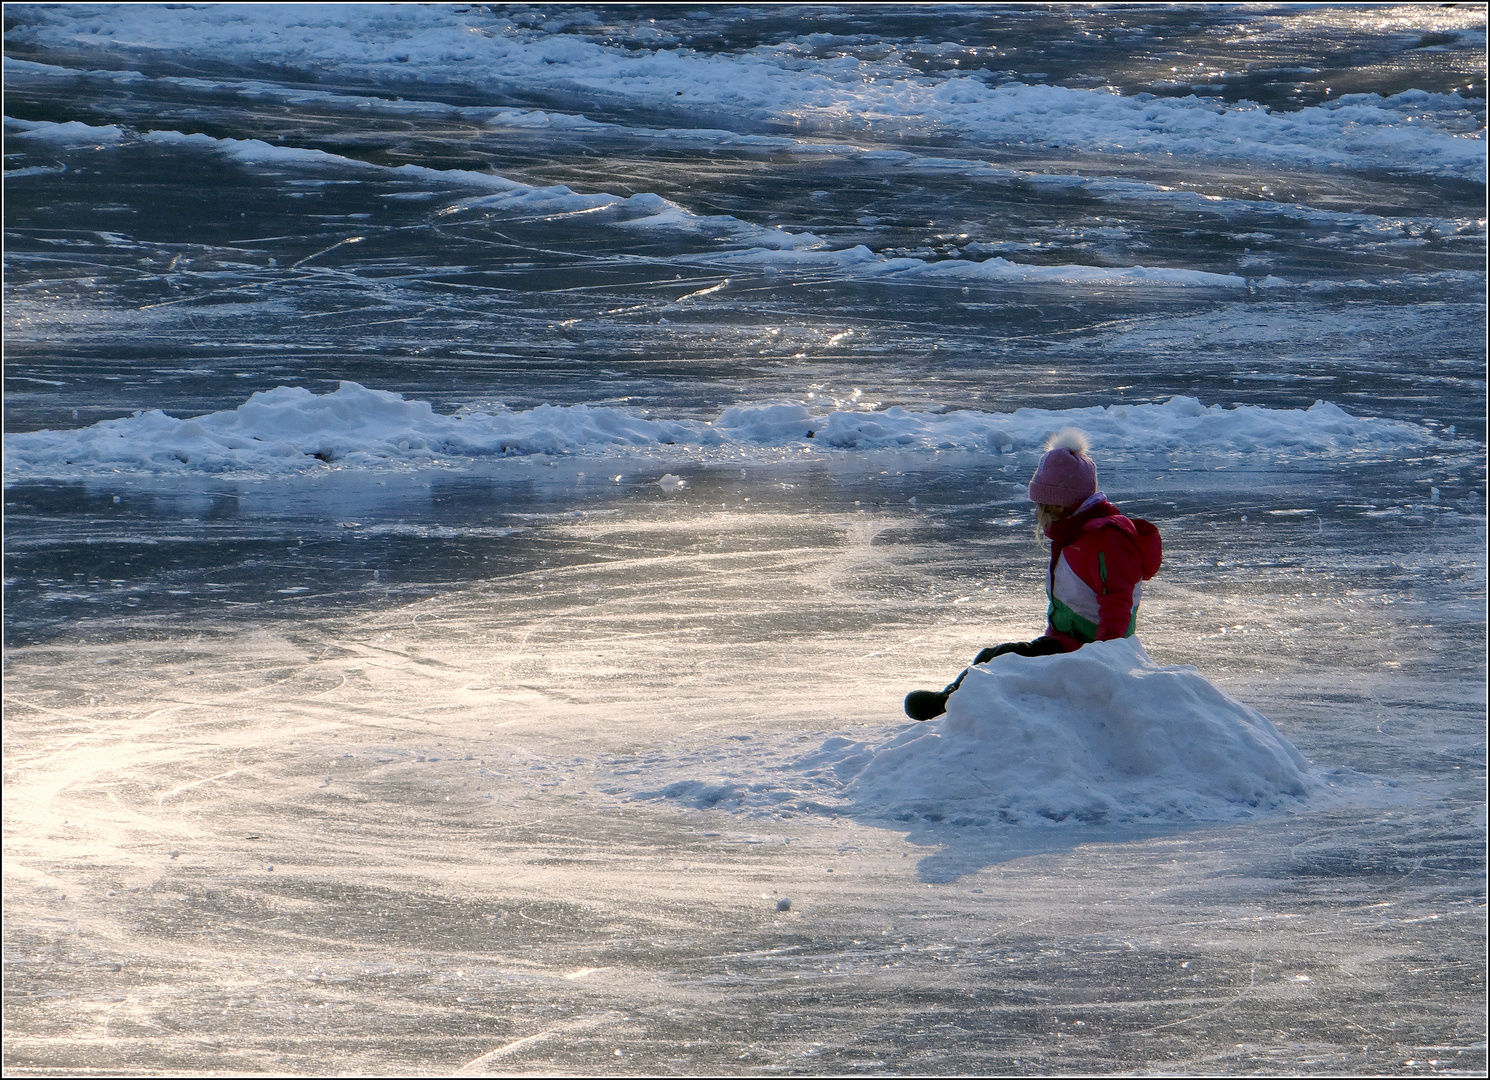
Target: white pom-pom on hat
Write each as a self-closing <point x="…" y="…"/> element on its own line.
<point x="1072" y="439"/>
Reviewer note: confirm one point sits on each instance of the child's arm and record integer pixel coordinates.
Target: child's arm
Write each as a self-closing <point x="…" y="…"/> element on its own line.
<point x="1119" y="569"/>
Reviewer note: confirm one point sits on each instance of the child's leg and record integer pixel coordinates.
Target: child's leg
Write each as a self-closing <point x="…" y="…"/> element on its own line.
<point x="1041" y="646"/>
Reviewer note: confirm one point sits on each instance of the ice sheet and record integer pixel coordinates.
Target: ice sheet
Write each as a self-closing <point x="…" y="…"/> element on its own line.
<point x="347" y="841"/>
<point x="567" y="737"/>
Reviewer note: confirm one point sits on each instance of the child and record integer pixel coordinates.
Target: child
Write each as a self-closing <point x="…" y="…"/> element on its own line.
<point x="1099" y="560"/>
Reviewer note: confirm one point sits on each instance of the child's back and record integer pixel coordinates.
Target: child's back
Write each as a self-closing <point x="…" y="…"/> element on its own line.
<point x="1099" y="560"/>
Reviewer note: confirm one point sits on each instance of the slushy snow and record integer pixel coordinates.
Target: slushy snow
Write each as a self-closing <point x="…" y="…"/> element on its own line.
<point x="406" y="45"/>
<point x="1102" y="735"/>
<point x="290" y="429"/>
<point x="750" y="247"/>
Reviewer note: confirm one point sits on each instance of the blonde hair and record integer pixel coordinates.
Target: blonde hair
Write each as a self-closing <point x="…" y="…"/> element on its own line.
<point x="1046" y="515"/>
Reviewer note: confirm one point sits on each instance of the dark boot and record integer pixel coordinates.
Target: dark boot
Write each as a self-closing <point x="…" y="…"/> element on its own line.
<point x="929" y="704"/>
<point x="926" y="704"/>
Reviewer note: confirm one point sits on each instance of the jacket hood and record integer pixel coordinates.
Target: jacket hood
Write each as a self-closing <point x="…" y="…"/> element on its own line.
<point x="1150" y="547"/>
<point x="1104" y="515"/>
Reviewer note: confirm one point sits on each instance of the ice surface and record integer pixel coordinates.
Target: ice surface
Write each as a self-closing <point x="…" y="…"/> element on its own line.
<point x="1117" y="189"/>
<point x="771" y="249"/>
<point x="445" y="791"/>
<point x="675" y="374"/>
<point x="861" y="261"/>
<point x="291" y="429"/>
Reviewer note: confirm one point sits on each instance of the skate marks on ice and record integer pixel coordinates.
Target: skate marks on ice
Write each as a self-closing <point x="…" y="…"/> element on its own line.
<point x="499" y="1059"/>
<point x="383" y="841"/>
<point x="298" y="855"/>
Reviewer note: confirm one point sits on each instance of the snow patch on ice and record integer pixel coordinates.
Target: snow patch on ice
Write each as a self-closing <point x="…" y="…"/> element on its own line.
<point x="1101" y="736"/>
<point x="291" y="429"/>
<point x="72" y="133"/>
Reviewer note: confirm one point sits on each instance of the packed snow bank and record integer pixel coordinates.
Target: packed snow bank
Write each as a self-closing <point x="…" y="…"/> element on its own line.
<point x="1101" y="735"/>
<point x="289" y="429"/>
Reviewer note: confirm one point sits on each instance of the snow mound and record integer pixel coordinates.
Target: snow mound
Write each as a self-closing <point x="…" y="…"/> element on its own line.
<point x="1101" y="735"/>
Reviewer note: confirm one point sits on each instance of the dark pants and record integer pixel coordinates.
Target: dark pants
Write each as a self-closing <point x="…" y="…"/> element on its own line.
<point x="1041" y="646"/>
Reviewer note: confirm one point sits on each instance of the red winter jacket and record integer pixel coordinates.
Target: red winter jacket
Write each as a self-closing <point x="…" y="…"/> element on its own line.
<point x="1099" y="560"/>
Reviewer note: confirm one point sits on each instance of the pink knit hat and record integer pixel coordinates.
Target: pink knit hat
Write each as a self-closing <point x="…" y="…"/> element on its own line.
<point x="1066" y="476"/>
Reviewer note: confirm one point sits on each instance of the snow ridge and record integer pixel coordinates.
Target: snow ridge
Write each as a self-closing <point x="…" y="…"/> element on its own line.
<point x="290" y="429"/>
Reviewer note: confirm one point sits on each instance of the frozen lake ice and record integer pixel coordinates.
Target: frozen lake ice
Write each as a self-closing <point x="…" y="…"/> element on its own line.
<point x="434" y="640"/>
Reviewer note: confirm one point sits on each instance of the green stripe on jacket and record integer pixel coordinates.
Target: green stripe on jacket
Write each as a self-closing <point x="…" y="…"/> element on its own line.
<point x="1064" y="619"/>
